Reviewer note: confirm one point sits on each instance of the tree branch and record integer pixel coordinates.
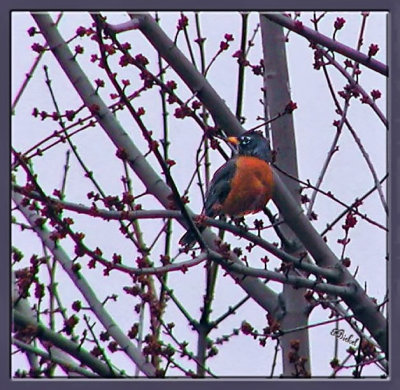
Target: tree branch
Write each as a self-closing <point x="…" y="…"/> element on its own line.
<point x="316" y="37"/>
<point x="290" y="279"/>
<point x="277" y="97"/>
<point x="364" y="308"/>
<point x="67" y="365"/>
<point x="330" y="273"/>
<point x="89" y="295"/>
<point x="263" y="295"/>
<point x="75" y="350"/>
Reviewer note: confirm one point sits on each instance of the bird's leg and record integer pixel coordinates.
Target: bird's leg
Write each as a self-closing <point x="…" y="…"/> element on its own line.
<point x="240" y="222"/>
<point x="221" y="232"/>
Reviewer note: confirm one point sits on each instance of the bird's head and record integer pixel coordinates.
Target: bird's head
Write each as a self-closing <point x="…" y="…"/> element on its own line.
<point x="252" y="143"/>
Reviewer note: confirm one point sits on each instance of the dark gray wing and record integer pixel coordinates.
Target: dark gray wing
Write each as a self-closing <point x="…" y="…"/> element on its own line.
<point x="219" y="187"/>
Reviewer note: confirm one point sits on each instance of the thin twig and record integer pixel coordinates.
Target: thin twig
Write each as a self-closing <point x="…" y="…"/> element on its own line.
<point x="188" y="43"/>
<point x="241" y="70"/>
<point x="30" y="73"/>
<point x="331" y="196"/>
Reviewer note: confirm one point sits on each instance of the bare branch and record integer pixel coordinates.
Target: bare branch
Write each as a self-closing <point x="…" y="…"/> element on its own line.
<point x="66" y="364"/>
<point x="96" y="306"/>
<point x="316" y="37"/>
<point x="364" y="308"/>
<point x="331" y="273"/>
<point x="296" y="281"/>
<point x="64" y="344"/>
<point x="154" y="184"/>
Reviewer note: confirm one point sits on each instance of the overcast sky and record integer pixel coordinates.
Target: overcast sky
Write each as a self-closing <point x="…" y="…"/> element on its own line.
<point x="347" y="178"/>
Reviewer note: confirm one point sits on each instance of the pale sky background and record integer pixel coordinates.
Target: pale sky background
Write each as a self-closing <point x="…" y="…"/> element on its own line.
<point x="348" y="177"/>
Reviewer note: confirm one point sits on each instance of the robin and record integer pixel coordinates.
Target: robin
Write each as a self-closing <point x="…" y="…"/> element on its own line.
<point x="243" y="185"/>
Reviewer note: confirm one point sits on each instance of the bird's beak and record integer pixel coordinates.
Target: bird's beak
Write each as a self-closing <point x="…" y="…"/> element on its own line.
<point x="232" y="140"/>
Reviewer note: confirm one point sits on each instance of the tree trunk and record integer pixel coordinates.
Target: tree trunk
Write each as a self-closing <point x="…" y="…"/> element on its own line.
<point x="295" y="345"/>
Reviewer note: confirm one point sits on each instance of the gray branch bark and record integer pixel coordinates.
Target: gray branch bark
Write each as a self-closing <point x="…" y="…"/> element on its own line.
<point x="277" y="96"/>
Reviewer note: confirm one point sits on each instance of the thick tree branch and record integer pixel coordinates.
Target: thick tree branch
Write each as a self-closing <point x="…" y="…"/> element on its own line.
<point x="330" y="273"/>
<point x="66" y="364"/>
<point x="189" y="74"/>
<point x="316" y="37"/>
<point x="276" y="97"/>
<point x="75" y="350"/>
<point x="364" y="308"/>
<point x="290" y="279"/>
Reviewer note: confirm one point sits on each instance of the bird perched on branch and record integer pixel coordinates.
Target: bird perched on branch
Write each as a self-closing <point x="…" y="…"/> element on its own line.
<point x="243" y="185"/>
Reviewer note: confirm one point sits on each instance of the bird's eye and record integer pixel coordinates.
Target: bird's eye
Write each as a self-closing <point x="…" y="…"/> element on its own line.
<point x="245" y="140"/>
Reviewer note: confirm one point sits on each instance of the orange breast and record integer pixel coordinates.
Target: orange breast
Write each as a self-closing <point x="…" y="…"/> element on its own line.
<point x="251" y="187"/>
